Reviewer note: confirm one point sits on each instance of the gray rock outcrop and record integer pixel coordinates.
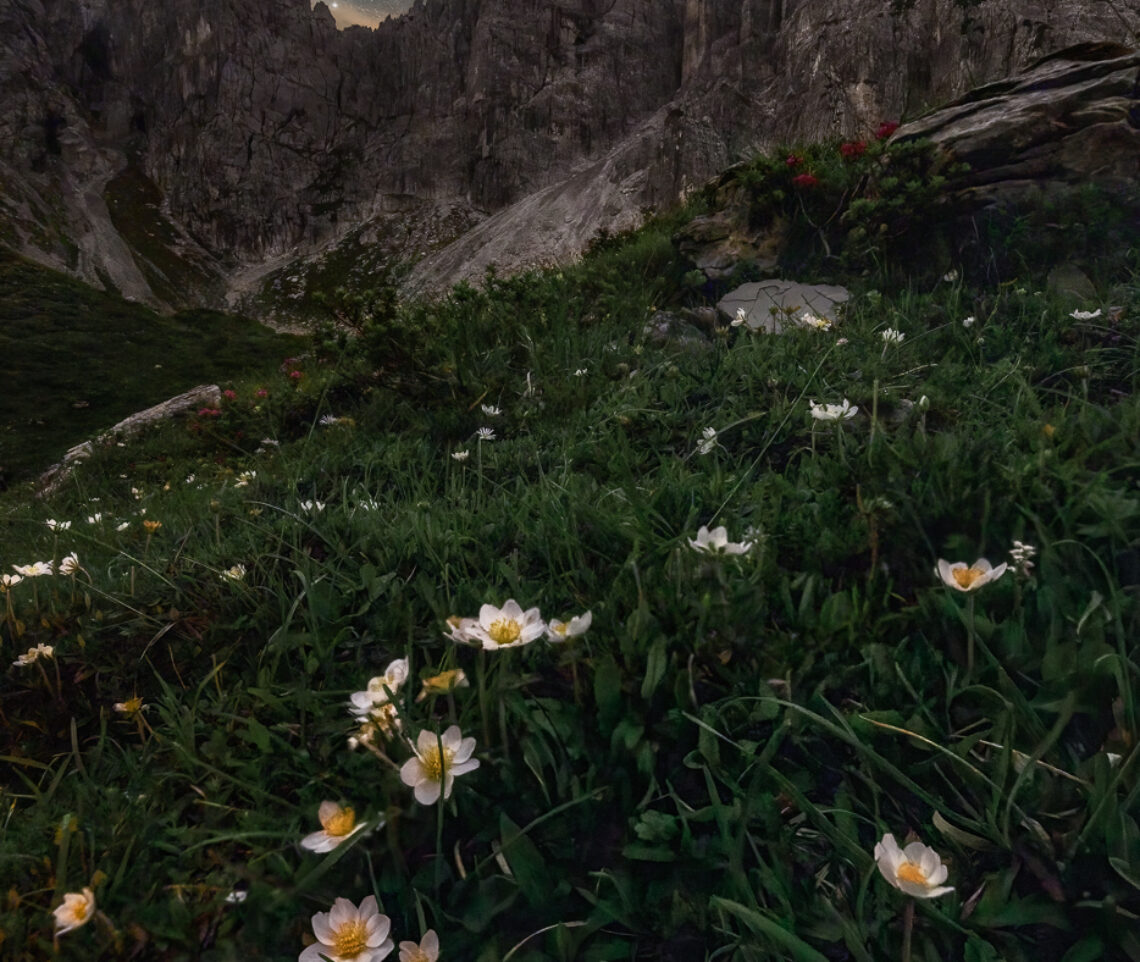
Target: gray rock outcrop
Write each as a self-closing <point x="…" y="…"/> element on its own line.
<point x="161" y="147"/>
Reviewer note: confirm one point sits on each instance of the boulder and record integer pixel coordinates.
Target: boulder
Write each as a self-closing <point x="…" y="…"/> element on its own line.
<point x="774" y="305"/>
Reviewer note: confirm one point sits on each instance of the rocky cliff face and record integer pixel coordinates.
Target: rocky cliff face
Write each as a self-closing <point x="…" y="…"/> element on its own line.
<point x="160" y="147"/>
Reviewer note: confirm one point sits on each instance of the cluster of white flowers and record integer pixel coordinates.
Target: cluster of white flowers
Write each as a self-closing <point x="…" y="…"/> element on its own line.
<point x="708" y="441"/>
<point x="811" y="322"/>
<point x="348" y="933"/>
<point x="1022" y="554"/>
<point x="891" y="336"/>
<point x="716" y="542"/>
<point x="511" y="627"/>
<point x="32" y="655"/>
<point x="833" y="412"/>
<point x="312" y="507"/>
<point x="485" y="434"/>
<point x="1085" y="315"/>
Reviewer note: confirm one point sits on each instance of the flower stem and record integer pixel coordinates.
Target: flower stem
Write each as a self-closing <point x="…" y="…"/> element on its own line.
<point x="439" y="854"/>
<point x="908" y="929"/>
<point x="970" y="630"/>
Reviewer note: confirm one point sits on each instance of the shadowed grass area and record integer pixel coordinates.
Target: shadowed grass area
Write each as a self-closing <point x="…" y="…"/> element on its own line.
<point x="74" y="361"/>
<point x="703" y="768"/>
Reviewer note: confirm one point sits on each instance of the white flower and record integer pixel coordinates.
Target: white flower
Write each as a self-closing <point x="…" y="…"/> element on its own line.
<point x="95" y="518"/>
<point x="459" y="629"/>
<point x="244" y="478"/>
<point x="438" y="759"/>
<point x="234" y="573"/>
<point x="490" y="410"/>
<point x="923" y="403"/>
<point x="32" y="655"/>
<point x="891" y="336"/>
<point x="811" y="322"/>
<point x="562" y="630"/>
<point x="485" y="434"/>
<point x="506" y="627"/>
<point x="76" y="910"/>
<point x="131" y="707"/>
<point x="69" y="565"/>
<point x="337" y="824"/>
<point x="582" y="372"/>
<point x="1021" y="554"/>
<point x="10" y="581"/>
<point x="916" y="870"/>
<point x="716" y="542"/>
<point x="237" y="896"/>
<point x="708" y="441"/>
<point x="350" y="934"/>
<point x="376" y="694"/>
<point x="833" y="412"/>
<point x="460" y="455"/>
<point x="1085" y="315"/>
<point x="950" y="276"/>
<point x="741" y="318"/>
<point x="312" y="507"/>
<point x="968" y="321"/>
<point x="841" y="342"/>
<point x="329" y="420"/>
<point x="191" y="478"/>
<point x="965" y="577"/>
<point x="123" y="526"/>
<point x="426" y="951"/>
<point x="57" y="525"/>
<point x="35" y="570"/>
<point x="269" y="443"/>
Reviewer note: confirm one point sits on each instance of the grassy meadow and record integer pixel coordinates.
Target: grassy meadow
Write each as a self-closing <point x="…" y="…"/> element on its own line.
<point x="267" y="610"/>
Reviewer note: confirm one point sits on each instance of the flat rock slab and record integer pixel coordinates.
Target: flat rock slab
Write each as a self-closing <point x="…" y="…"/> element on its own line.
<point x="772" y="305"/>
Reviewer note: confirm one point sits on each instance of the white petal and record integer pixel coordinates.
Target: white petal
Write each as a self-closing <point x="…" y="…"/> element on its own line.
<point x="319" y="842"/>
<point x="322" y="929"/>
<point x="412" y="772"/>
<point x="342" y="911"/>
<point x="427" y="792"/>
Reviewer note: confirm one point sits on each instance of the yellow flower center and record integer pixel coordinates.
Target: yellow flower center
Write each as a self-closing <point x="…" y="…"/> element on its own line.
<point x="911" y="872"/>
<point x="443" y="682"/>
<point x="350" y="939"/>
<point x="435" y="764"/>
<point x="80" y="910"/>
<point x="505" y="631"/>
<point x="562" y="629"/>
<point x="967" y="576"/>
<point x="132" y="706"/>
<point x="341" y="822"/>
<point x="416" y="955"/>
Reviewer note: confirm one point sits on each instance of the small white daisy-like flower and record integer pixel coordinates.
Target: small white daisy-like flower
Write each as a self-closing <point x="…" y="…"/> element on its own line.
<point x="70" y="564"/>
<point x="437" y="762"/>
<point x="1085" y="315"/>
<point x="76" y="910"/>
<point x="963" y="577"/>
<point x="916" y="870"/>
<point x="950" y="276"/>
<point x="833" y="412"/>
<point x="377" y="693"/>
<point x="32" y="655"/>
<point x="350" y="934"/>
<point x="563" y="630"/>
<point x="582" y="372"/>
<point x="35" y="570"/>
<point x="10" y="581"/>
<point x="968" y="321"/>
<point x="131" y="707"/>
<point x="444" y="683"/>
<point x="237" y="896"/>
<point x="741" y="318"/>
<point x="234" y="573"/>
<point x="490" y="410"/>
<point x="891" y="336"/>
<point x="57" y="525"/>
<point x="427" y="950"/>
<point x="506" y="627"/>
<point x="485" y="434"/>
<point x="813" y="323"/>
<point x="337" y="824"/>
<point x="841" y="342"/>
<point x="1022" y="554"/>
<point x="716" y="542"/>
<point x="459" y="629"/>
<point x="123" y="526"/>
<point x="460" y="455"/>
<point x="312" y="507"/>
<point x="95" y="518"/>
<point x="708" y="441"/>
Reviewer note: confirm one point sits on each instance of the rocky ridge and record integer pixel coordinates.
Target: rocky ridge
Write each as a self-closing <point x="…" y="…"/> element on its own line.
<point x="167" y="149"/>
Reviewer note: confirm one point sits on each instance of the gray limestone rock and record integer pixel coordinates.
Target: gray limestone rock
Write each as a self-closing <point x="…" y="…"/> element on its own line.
<point x="774" y="305"/>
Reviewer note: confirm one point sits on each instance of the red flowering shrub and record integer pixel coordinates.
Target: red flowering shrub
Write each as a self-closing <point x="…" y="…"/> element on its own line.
<point x="229" y="395"/>
<point x="793" y="160"/>
<point x="853" y="149"/>
<point x="209" y="413"/>
<point x="805" y="180"/>
<point x="886" y="128"/>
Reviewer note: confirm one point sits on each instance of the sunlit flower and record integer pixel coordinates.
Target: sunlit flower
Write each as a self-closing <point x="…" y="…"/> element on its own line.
<point x="426" y="951"/>
<point x="460" y="455"/>
<point x="70" y="564"/>
<point x="708" y="441"/>
<point x="716" y="542"/>
<point x="891" y="336"/>
<point x="131" y="707"/>
<point x="459" y="629"/>
<point x="10" y="581"/>
<point x="741" y="318"/>
<point x="444" y="683"/>
<point x="833" y="412"/>
<point x="916" y="870"/>
<point x="562" y="630"/>
<point x="312" y="507"/>
<point x="506" y="627"/>
<point x="490" y="410"/>
<point x="32" y="655"/>
<point x="968" y="321"/>
<point x="350" y="934"/>
<point x="76" y="910"/>
<point x="1085" y="315"/>
<point x="965" y="577"/>
<point x="485" y="434"/>
<point x="438" y="760"/>
<point x="123" y="526"/>
<point x="337" y="824"/>
<point x="35" y="570"/>
<point x="151" y="526"/>
<point x="234" y="573"/>
<point x="57" y="525"/>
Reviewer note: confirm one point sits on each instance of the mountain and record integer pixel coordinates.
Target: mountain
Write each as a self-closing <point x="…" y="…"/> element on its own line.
<point x="180" y="152"/>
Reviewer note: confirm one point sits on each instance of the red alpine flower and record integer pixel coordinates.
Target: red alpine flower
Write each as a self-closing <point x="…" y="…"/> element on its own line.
<point x="886" y="128"/>
<point x="805" y="180"/>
